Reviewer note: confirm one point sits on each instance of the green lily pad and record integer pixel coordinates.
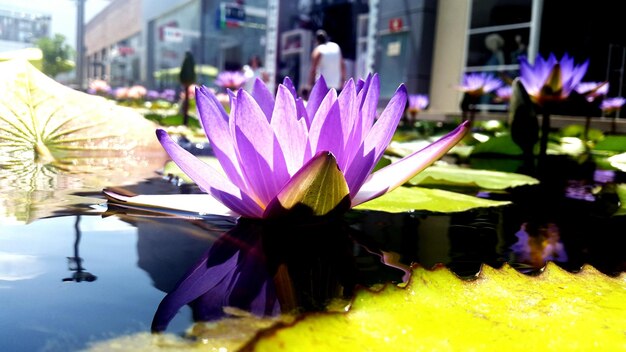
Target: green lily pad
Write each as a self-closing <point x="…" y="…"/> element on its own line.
<point x="499" y="310"/>
<point x="502" y="144"/>
<point x="612" y="143"/>
<point x="55" y="141"/>
<point x="618" y="161"/>
<point x="404" y="199"/>
<point x="485" y="179"/>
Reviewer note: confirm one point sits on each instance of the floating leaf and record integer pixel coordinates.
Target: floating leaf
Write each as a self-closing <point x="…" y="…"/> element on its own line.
<point x="498" y="145"/>
<point x="499" y="310"/>
<point x="618" y="161"/>
<point x="612" y="143"/>
<point x="55" y="140"/>
<point x="452" y="175"/>
<point x="405" y="199"/>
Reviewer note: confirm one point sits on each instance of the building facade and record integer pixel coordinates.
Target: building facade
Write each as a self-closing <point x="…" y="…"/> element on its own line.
<point x="21" y="29"/>
<point x="113" y="46"/>
<point x="426" y="44"/>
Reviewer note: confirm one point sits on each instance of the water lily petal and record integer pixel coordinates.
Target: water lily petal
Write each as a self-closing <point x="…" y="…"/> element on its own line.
<point x="290" y="132"/>
<point x="214" y="121"/>
<point x="360" y="83"/>
<point x="263" y="97"/>
<point x="575" y="77"/>
<point x="316" y="96"/>
<point x="394" y="175"/>
<point x="209" y="179"/>
<point x="380" y="134"/>
<point x="300" y="108"/>
<point x="370" y="103"/>
<point x="319" y="187"/>
<point x="320" y="117"/>
<point x="331" y="136"/>
<point x="349" y="117"/>
<point x="359" y="169"/>
<point x="261" y="157"/>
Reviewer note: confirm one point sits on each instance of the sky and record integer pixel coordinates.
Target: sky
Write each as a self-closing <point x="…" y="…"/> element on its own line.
<point x="63" y="13"/>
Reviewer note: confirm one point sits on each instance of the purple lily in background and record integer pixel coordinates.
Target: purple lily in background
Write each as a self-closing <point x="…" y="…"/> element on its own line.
<point x="610" y="105"/>
<point x="230" y="79"/>
<point x="278" y="154"/>
<point x="474" y="86"/>
<point x="504" y="93"/>
<point x="592" y="90"/>
<point x="478" y="84"/>
<point x="550" y="79"/>
<point x="548" y="82"/>
<point x="168" y="95"/>
<point x="417" y="103"/>
<point x="152" y="95"/>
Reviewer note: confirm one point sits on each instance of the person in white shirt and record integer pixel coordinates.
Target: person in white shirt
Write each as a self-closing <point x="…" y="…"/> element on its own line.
<point x="327" y="61"/>
<point x="252" y="71"/>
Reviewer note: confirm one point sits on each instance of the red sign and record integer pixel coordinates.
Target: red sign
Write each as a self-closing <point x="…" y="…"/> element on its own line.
<point x="395" y="24"/>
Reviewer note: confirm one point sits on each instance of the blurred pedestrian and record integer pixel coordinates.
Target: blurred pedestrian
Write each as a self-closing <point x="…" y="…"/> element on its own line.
<point x="327" y="61"/>
<point x="253" y="70"/>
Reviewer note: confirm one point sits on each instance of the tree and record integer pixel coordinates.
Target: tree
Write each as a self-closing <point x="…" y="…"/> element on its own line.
<point x="56" y="55"/>
<point x="187" y="77"/>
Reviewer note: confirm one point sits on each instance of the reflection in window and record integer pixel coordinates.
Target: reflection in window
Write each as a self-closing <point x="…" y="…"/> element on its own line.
<point x="499" y="34"/>
<point x="499" y="12"/>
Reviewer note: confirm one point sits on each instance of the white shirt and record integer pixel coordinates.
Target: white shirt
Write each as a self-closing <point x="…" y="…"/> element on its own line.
<point x="330" y="64"/>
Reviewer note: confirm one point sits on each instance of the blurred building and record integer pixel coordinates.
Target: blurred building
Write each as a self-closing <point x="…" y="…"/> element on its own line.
<point x="20" y="29"/>
<point x="426" y="44"/>
<point x="113" y="43"/>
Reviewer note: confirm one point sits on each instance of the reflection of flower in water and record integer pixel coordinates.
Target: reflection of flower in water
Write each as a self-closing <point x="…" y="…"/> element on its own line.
<point x="267" y="269"/>
<point x="538" y="244"/>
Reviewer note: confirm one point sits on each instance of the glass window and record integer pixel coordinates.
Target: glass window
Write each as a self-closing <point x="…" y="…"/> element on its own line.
<point x="176" y="33"/>
<point x="487" y="13"/>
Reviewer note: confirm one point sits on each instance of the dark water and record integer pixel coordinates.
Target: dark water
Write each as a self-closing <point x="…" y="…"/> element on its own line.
<point x="85" y="273"/>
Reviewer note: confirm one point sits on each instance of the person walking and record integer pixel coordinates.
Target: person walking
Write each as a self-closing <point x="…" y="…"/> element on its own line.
<point x="327" y="61"/>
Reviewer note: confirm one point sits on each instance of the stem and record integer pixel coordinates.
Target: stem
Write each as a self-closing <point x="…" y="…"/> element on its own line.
<point x="186" y="106"/>
<point x="545" y="130"/>
<point x="586" y="132"/>
<point x="43" y="154"/>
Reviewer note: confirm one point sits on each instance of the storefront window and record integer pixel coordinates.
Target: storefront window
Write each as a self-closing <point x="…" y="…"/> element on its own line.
<point x="499" y="33"/>
<point x="175" y="33"/>
<point x="221" y="35"/>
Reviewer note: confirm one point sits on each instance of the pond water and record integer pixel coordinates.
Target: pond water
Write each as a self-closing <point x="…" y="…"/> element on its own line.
<point x="74" y="273"/>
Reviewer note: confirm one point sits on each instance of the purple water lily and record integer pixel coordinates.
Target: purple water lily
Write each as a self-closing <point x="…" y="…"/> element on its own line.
<point x="610" y="105"/>
<point x="504" y="93"/>
<point x="550" y="79"/>
<point x="417" y="102"/>
<point x="278" y="154"/>
<point x="477" y="84"/>
<point x="230" y="79"/>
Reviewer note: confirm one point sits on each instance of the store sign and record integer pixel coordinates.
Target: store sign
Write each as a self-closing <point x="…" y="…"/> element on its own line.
<point x="233" y="14"/>
<point x="172" y="35"/>
<point x="395" y="24"/>
<point x="125" y="50"/>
